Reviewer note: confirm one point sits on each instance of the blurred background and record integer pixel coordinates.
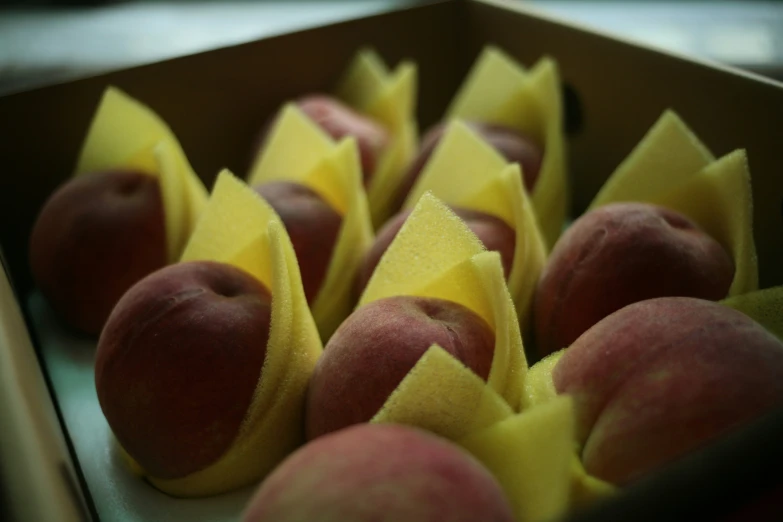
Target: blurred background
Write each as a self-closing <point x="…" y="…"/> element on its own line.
<point x="44" y="42"/>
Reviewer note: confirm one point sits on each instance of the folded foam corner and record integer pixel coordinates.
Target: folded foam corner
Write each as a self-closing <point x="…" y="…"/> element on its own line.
<point x="390" y="98"/>
<point x="531" y="456"/>
<point x="126" y="134"/>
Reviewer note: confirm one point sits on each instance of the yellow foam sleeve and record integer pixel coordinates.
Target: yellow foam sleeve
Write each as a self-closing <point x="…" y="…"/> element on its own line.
<point x="539" y="388"/>
<point x="390" y="98"/>
<point x="531" y="456"/>
<point x="587" y="489"/>
<point x="436" y="255"/>
<point x="124" y="133"/>
<point x="672" y="168"/>
<point x="237" y="227"/>
<point x="126" y="459"/>
<point x="668" y="154"/>
<point x="465" y="171"/>
<point x="294" y="147"/>
<point x="454" y="405"/>
<point x="364" y="79"/>
<point x="299" y="151"/>
<point x="763" y="306"/>
<point x="461" y="166"/>
<point x="498" y="90"/>
<point x="720" y="199"/>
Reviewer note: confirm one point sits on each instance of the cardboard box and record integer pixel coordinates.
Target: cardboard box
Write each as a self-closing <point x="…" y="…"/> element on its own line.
<point x="215" y="101"/>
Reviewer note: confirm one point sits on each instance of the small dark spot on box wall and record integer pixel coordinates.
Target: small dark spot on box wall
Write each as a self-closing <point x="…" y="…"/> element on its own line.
<point x="573" y="117"/>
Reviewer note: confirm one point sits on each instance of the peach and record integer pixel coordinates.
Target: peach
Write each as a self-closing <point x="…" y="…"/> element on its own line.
<point x="493" y="232"/>
<point x="95" y="237"/>
<point x="312" y="225"/>
<point x="178" y="363"/>
<point x="620" y="254"/>
<point x="373" y="350"/>
<point x="662" y="377"/>
<point x="338" y="121"/>
<point x="379" y="472"/>
<point x="512" y="144"/>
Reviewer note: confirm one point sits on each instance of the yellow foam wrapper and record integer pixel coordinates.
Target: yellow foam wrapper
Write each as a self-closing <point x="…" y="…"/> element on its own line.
<point x="237" y="227"/>
<point x="436" y="255"/>
<point x="124" y="133"/>
<point x="299" y="151"/>
<point x="465" y="171"/>
<point x="763" y="306"/>
<point x="587" y="489"/>
<point x="498" y="90"/>
<point x="540" y="390"/>
<point x="672" y="168"/>
<point x="539" y="386"/>
<point x="467" y="406"/>
<point x="390" y="99"/>
<point x="531" y="456"/>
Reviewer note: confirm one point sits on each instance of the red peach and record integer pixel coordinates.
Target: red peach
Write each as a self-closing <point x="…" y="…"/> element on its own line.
<point x="662" y="377"/>
<point x="178" y="363"/>
<point x="95" y="237"/>
<point x="620" y="254"/>
<point x="377" y="473"/>
<point x="373" y="350"/>
<point x="312" y="225"/>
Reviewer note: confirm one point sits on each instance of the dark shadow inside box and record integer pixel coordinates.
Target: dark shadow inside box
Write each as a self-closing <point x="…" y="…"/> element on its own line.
<point x="735" y="478"/>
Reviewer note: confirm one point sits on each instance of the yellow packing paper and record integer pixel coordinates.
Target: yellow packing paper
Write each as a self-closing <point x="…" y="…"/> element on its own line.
<point x="465" y="171"/>
<point x="672" y="168"/>
<point x="500" y="91"/>
<point x="436" y="255"/>
<point x="531" y="455"/>
<point x="763" y="306"/>
<point x="126" y="134"/>
<point x="239" y="228"/>
<point x="390" y="99"/>
<point x="299" y="151"/>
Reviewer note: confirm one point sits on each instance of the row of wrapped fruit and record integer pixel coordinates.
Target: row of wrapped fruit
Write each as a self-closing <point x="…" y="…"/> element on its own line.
<point x="369" y="302"/>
